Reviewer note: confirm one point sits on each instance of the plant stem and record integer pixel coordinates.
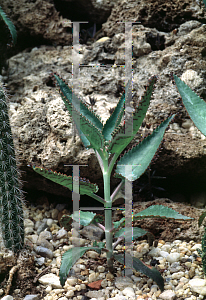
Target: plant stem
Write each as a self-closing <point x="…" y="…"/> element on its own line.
<point x="101" y="226"/>
<point x="98" y="198"/>
<point x="117" y="190"/>
<point x="118" y="241"/>
<point x="107" y="210"/>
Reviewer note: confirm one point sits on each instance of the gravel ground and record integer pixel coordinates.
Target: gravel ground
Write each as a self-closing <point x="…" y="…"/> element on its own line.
<point x="36" y="275"/>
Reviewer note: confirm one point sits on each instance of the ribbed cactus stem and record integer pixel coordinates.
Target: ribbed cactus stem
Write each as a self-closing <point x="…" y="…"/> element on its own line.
<point x="11" y="196"/>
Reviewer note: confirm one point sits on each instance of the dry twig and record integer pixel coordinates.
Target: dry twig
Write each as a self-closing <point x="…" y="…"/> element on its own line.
<point x="40" y="274"/>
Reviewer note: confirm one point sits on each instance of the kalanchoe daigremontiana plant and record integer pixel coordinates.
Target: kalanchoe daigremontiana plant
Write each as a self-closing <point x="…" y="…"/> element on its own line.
<point x="108" y="141"/>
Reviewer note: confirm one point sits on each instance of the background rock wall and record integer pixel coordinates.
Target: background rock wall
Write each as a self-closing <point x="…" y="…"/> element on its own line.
<point x="170" y="38"/>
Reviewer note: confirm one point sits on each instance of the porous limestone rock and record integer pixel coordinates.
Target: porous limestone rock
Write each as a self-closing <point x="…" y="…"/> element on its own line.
<point x="42" y="124"/>
<point x="162" y="15"/>
<point x="39" y="19"/>
<point x="43" y="19"/>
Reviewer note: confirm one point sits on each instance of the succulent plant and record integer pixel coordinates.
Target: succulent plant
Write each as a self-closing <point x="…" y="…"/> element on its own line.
<point x="108" y="141"/>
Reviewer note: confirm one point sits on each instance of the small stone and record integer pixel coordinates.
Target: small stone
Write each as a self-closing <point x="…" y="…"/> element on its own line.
<point x="123" y="282"/>
<point x="33" y="238"/>
<point x="70" y="293"/>
<point x="92" y="277"/>
<point x="62" y="233"/>
<point x="96" y="285"/>
<point x="92" y="254"/>
<point x="50" y="279"/>
<point x="45" y="244"/>
<point x="45" y="252"/>
<point x="92" y="232"/>
<point x="120" y="298"/>
<point x="71" y="281"/>
<point x="54" y="213"/>
<point x="154" y="252"/>
<point x="28" y="230"/>
<point x="8" y="297"/>
<point x="95" y="294"/>
<point x="48" y="289"/>
<point x="42" y="227"/>
<point x="187" y="124"/>
<point x="46" y="235"/>
<point x="31" y="297"/>
<point x="173" y="257"/>
<point x="28" y="223"/>
<point x="40" y="261"/>
<point x="100" y="269"/>
<point x="109" y="276"/>
<point x="177" y="275"/>
<point x="167" y="295"/>
<point x="77" y="242"/>
<point x="50" y="222"/>
<point x="128" y="291"/>
<point x="198" y="286"/>
<point x="191" y="273"/>
<point x="104" y="283"/>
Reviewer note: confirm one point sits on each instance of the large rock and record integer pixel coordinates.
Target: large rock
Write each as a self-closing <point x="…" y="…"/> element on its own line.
<point x="39" y="19"/>
<point x="162" y="15"/>
<point x="41" y="122"/>
<point x="49" y="21"/>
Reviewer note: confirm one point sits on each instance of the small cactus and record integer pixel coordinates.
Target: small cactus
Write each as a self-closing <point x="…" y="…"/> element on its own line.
<point x="11" y="195"/>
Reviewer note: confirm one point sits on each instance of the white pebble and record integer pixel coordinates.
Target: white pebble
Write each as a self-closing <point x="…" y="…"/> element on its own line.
<point x="71" y="281"/>
<point x="167" y="295"/>
<point x="198" y="285"/>
<point x="92" y="277"/>
<point x="70" y="293"/>
<point x="128" y="291"/>
<point x="173" y="257"/>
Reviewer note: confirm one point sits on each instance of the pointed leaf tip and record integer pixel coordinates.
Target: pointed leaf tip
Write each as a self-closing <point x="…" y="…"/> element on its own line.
<point x="195" y="106"/>
<point x="85" y="186"/>
<point x="141" y="155"/>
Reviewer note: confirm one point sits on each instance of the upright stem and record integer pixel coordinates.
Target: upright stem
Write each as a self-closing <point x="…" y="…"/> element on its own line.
<point x="108" y="211"/>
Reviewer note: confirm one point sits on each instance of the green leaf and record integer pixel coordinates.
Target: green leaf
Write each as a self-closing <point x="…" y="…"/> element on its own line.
<point x="10" y="25"/>
<point x="201" y="218"/>
<point x="100" y="245"/>
<point x="91" y="132"/>
<point x="82" y="217"/>
<point x="70" y="98"/>
<point x="161" y="211"/>
<point x="141" y="155"/>
<point x="195" y="106"/>
<point x="133" y="262"/>
<point x="119" y="138"/>
<point x="155" y="211"/>
<point x="118" y="223"/>
<point x="85" y="217"/>
<point x="85" y="186"/>
<point x="69" y="258"/>
<point x="136" y="232"/>
<point x="98" y="219"/>
<point x="204" y="1"/>
<point x="114" y="120"/>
